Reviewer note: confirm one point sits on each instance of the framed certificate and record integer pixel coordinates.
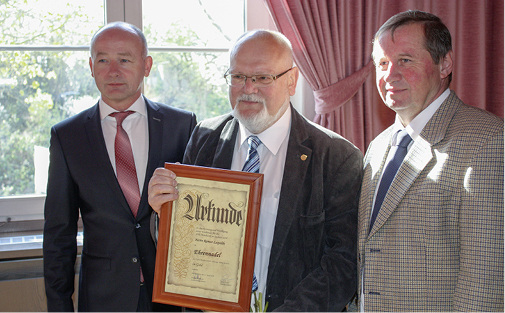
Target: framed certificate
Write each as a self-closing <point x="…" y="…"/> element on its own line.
<point x="207" y="239"/>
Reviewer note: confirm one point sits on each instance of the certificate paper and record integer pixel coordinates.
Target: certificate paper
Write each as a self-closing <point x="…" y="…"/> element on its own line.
<point x="211" y="239"/>
<point x="208" y="234"/>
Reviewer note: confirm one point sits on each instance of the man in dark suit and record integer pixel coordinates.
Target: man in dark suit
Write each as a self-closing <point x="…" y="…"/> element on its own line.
<point x="305" y="253"/>
<point x="435" y="241"/>
<point x="118" y="254"/>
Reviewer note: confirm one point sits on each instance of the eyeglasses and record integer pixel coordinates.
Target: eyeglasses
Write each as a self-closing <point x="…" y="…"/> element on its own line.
<point x="260" y="80"/>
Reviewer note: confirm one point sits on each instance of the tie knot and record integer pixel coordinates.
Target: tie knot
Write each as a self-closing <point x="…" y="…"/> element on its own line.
<point x="253" y="142"/>
<point x="120" y="116"/>
<point x="403" y="139"/>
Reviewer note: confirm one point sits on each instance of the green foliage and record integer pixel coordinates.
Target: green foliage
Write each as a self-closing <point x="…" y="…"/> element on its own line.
<point x="32" y="99"/>
<point x="187" y="80"/>
<point x="34" y="85"/>
<point x="257" y="306"/>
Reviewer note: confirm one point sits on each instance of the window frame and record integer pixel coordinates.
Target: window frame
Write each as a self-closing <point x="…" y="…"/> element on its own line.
<point x="29" y="209"/>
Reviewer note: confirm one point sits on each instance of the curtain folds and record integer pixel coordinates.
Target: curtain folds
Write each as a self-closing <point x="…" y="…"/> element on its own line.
<point x="332" y="46"/>
<point x="334" y="64"/>
<point x="330" y="98"/>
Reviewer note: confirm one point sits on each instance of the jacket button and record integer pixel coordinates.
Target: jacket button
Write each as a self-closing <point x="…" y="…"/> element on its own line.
<point x="135" y="260"/>
<point x="137" y="226"/>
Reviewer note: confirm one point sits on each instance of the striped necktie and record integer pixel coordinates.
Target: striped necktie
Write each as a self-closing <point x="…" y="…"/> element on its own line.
<point x="252" y="164"/>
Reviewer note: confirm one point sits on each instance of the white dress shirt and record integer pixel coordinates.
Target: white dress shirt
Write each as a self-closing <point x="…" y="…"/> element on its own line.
<point x="272" y="153"/>
<point x="137" y="129"/>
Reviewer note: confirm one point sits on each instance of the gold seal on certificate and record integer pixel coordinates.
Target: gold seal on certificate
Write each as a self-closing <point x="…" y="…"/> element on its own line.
<point x="207" y="239"/>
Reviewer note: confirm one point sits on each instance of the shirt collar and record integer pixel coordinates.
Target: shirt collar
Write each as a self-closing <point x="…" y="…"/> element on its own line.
<point x="137" y="106"/>
<point x="417" y="124"/>
<point x="273" y="136"/>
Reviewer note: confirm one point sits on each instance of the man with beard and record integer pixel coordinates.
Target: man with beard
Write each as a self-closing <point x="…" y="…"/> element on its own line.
<point x="305" y="254"/>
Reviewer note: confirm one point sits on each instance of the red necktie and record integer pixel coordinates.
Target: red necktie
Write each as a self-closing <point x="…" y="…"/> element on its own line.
<point x="125" y="165"/>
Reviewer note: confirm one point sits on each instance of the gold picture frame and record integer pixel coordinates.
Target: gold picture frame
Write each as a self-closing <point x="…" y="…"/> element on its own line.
<point x="207" y="239"/>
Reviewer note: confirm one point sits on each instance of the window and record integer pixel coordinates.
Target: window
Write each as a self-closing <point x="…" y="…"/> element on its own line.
<point x="45" y="74"/>
<point x="189" y="42"/>
<point x="44" y="79"/>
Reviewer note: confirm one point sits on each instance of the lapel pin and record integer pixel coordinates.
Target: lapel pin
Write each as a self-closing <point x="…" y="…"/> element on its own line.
<point x="303" y="157"/>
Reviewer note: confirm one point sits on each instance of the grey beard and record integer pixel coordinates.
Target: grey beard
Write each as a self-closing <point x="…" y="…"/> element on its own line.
<point x="261" y="121"/>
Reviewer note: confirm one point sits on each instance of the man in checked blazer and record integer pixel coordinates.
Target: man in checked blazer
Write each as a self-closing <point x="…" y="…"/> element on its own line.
<point x="82" y="181"/>
<point x="437" y="241"/>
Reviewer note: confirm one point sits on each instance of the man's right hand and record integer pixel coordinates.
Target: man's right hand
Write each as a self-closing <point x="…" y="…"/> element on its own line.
<point x="162" y="188"/>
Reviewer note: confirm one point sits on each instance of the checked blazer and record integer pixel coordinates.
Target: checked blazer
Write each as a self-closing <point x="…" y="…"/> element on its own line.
<point x="437" y="243"/>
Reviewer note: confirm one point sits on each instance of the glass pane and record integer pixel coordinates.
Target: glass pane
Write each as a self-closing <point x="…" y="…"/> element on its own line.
<point x="40" y="88"/>
<point x="50" y="22"/>
<point x="191" y="81"/>
<point x="207" y="23"/>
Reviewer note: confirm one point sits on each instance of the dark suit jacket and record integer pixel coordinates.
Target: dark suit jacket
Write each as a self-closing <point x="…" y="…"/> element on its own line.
<point x="313" y="260"/>
<point x="437" y="243"/>
<point x="82" y="180"/>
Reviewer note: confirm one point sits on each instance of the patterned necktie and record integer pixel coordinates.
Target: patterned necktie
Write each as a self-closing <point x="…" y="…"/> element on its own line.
<point x="402" y="142"/>
<point x="252" y="164"/>
<point x="125" y="165"/>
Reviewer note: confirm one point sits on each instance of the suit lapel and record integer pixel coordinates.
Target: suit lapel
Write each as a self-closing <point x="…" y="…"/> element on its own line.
<point x="418" y="157"/>
<point x="416" y="160"/>
<point x="222" y="157"/>
<point x="155" y="126"/>
<point x="292" y="182"/>
<point x="94" y="133"/>
<point x="374" y="160"/>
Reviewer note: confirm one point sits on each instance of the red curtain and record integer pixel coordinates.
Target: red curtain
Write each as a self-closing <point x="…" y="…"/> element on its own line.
<point x="332" y="46"/>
